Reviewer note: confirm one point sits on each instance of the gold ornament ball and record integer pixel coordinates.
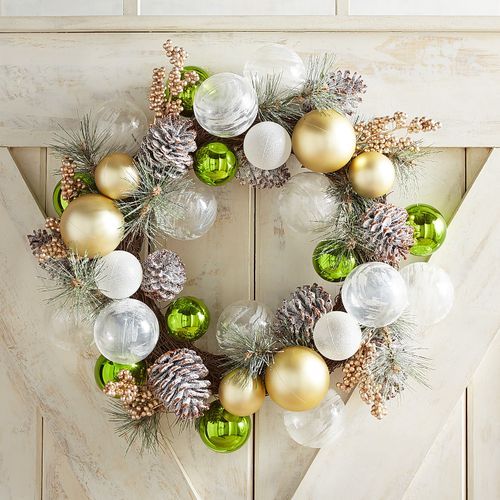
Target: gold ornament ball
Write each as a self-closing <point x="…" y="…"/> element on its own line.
<point x="240" y="394"/>
<point x="323" y="141"/>
<point x="116" y="176"/>
<point x="371" y="174"/>
<point x="92" y="225"/>
<point x="298" y="379"/>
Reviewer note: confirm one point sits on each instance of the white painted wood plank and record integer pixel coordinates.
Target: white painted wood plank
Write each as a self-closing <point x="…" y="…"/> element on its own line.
<point x="475" y="159"/>
<point x="60" y="8"/>
<point x="389" y="452"/>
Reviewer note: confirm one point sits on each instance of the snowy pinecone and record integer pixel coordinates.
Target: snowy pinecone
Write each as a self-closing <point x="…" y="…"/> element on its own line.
<point x="349" y="89"/>
<point x="296" y="318"/>
<point x="164" y="275"/>
<point x="178" y="379"/>
<point x="247" y="174"/>
<point x="168" y="146"/>
<point x="387" y="232"/>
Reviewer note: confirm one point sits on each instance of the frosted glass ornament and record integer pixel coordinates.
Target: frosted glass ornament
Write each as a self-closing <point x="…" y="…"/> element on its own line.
<point x="225" y="105"/>
<point x="374" y="294"/>
<point x="337" y="335"/>
<point x="277" y="62"/>
<point x="67" y="331"/>
<point x="430" y="292"/>
<point x="267" y="145"/>
<point x="124" y="121"/>
<point x="304" y="204"/>
<point x="317" y="427"/>
<point x="198" y="214"/>
<point x="120" y="275"/>
<point x="126" y="331"/>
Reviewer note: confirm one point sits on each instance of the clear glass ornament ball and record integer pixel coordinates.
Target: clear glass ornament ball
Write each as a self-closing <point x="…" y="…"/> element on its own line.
<point x="67" y="331"/>
<point x="225" y="105"/>
<point x="374" y="294"/>
<point x="317" y="427"/>
<point x="126" y="331"/>
<point x="304" y="204"/>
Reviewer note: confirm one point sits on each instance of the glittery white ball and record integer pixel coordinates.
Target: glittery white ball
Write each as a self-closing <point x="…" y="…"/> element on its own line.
<point x="278" y="62"/>
<point x="337" y="335"/>
<point x="374" y="294"/>
<point x="430" y="292"/>
<point x="120" y="275"/>
<point x="225" y="105"/>
<point x="267" y="145"/>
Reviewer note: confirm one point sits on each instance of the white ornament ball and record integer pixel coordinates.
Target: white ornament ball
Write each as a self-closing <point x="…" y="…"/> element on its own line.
<point x="267" y="145"/>
<point x="304" y="204"/>
<point x="278" y="62"/>
<point x="337" y="335"/>
<point x="225" y="105"/>
<point x="120" y="275"/>
<point x="430" y="292"/>
<point x="374" y="294"/>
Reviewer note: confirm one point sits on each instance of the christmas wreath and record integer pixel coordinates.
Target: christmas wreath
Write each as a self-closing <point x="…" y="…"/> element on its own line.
<point x="125" y="189"/>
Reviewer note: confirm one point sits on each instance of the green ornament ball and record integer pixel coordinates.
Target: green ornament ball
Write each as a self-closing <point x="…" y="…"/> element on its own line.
<point x="215" y="164"/>
<point x="187" y="95"/>
<point x="58" y="202"/>
<point x="429" y="229"/>
<point x="187" y="318"/>
<point x="332" y="263"/>
<point x="106" y="371"/>
<point x="222" y="431"/>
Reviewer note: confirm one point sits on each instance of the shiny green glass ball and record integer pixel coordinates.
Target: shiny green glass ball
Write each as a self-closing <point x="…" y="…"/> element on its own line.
<point x="187" y="318"/>
<point x="332" y="263"/>
<point x="215" y="164"/>
<point x="57" y="201"/>
<point x="106" y="371"/>
<point x="187" y="95"/>
<point x="429" y="229"/>
<point x="223" y="432"/>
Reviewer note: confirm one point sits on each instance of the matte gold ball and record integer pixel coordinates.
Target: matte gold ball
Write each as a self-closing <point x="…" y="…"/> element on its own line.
<point x="241" y="395"/>
<point x="323" y="141"/>
<point x="298" y="379"/>
<point x="92" y="225"/>
<point x="116" y="176"/>
<point x="371" y="174"/>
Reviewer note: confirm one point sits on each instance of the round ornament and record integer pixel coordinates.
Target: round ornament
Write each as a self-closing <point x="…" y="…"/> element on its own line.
<point x="374" y="294"/>
<point x="267" y="145"/>
<point x="371" y="174"/>
<point x="332" y="263"/>
<point x="337" y="335"/>
<point x="429" y="229"/>
<point x="298" y="379"/>
<point x="223" y="432"/>
<point x="92" y="225"/>
<point x="240" y="394"/>
<point x="120" y="275"/>
<point x="187" y="95"/>
<point x="58" y="202"/>
<point x="317" y="427"/>
<point x="278" y="63"/>
<point x="126" y="331"/>
<point x="106" y="371"/>
<point x="303" y="202"/>
<point x="215" y="164"/>
<point x="323" y="141"/>
<point x="225" y="105"/>
<point x="68" y="331"/>
<point x="430" y="292"/>
<point x="123" y="121"/>
<point x="116" y="176"/>
<point x="187" y="318"/>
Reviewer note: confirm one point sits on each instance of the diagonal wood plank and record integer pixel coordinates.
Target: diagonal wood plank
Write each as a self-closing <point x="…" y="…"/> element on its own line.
<point x="389" y="452"/>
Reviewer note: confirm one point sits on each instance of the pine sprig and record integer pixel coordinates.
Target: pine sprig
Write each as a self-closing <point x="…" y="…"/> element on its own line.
<point x="316" y="93"/>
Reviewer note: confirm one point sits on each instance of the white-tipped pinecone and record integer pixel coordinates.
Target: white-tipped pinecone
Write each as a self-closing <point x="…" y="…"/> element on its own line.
<point x="164" y="275"/>
<point x="168" y="145"/>
<point x="178" y="380"/>
<point x="387" y="232"/>
<point x="247" y="174"/>
<point x="296" y="318"/>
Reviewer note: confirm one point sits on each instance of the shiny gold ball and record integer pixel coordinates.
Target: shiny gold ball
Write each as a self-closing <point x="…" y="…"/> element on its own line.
<point x="298" y="379"/>
<point x="371" y="174"/>
<point x="92" y="225"/>
<point x="323" y="141"/>
<point x="241" y="395"/>
<point x="116" y="176"/>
